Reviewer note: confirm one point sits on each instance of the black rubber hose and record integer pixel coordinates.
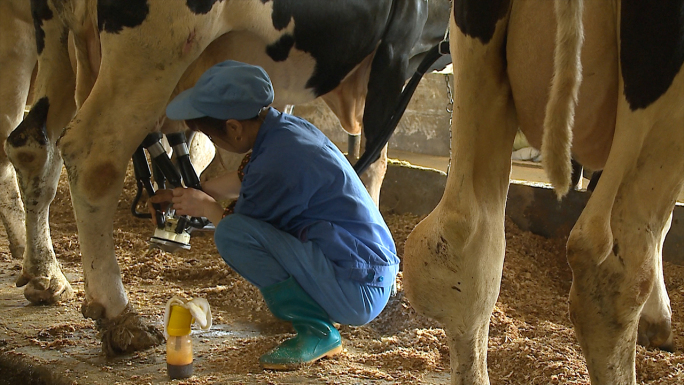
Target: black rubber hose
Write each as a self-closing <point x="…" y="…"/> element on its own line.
<point x="183" y="162"/>
<point x="168" y="169"/>
<point x="142" y="177"/>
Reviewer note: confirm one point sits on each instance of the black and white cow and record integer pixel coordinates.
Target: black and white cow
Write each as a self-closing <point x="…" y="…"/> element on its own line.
<point x="132" y="56"/>
<point x="629" y="122"/>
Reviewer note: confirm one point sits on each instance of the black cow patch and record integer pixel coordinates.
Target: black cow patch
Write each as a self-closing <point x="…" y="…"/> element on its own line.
<point x="40" y="11"/>
<point x="33" y="126"/>
<point x="114" y="15"/>
<point x="280" y="50"/>
<point x="201" y="7"/>
<point x="281" y="16"/>
<point x="337" y="34"/>
<point x="477" y="18"/>
<point x="651" y="48"/>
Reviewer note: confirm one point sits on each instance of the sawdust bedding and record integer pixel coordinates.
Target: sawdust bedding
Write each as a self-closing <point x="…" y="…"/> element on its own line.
<point x="531" y="337"/>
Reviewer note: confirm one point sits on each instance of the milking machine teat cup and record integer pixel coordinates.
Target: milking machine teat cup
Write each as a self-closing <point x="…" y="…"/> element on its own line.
<point x="173" y="231"/>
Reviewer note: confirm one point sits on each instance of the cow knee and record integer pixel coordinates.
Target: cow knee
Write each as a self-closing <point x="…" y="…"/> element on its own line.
<point x="27" y="145"/>
<point x="435" y="262"/>
<point x="98" y="180"/>
<point x="589" y="243"/>
<point x="606" y="274"/>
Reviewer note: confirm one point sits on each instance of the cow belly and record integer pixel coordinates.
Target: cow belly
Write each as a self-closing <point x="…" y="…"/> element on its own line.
<point x="289" y="76"/>
<point x="530" y="67"/>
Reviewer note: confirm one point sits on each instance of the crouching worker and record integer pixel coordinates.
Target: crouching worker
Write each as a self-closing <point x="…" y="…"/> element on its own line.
<point x="304" y="230"/>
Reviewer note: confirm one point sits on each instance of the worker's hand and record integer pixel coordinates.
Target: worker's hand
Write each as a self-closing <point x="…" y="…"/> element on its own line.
<point x="161" y="197"/>
<point x="190" y="201"/>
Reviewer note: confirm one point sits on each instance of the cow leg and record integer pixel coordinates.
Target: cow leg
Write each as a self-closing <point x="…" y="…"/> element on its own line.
<point x="17" y="59"/>
<point x="38" y="166"/>
<point x="96" y="165"/>
<point x="31" y="149"/>
<point x="388" y="74"/>
<point x="96" y="171"/>
<point x="138" y="73"/>
<point x="453" y="259"/>
<point x="614" y="248"/>
<point x="86" y="47"/>
<point x="655" y="322"/>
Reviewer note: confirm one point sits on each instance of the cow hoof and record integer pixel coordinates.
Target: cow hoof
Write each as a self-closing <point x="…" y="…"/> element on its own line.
<point x="23" y="280"/>
<point x="654" y="335"/>
<point x="127" y="333"/>
<point x="45" y="290"/>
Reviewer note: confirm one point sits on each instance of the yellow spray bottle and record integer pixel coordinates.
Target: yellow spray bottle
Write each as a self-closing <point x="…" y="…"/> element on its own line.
<point x="179" y="344"/>
<point x="180" y="314"/>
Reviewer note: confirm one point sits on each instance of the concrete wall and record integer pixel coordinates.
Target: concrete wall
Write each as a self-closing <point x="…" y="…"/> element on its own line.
<point x="408" y="189"/>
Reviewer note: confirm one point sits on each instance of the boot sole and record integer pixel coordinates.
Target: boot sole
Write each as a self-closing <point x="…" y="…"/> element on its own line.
<point x="294" y="366"/>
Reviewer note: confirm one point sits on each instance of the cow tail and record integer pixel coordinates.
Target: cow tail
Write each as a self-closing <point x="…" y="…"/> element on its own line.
<point x="560" y="110"/>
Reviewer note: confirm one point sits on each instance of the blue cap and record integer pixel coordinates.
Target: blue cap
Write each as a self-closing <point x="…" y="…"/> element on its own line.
<point x="228" y="90"/>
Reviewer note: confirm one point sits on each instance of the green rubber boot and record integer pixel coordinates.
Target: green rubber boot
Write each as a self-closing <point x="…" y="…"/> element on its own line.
<point x="316" y="336"/>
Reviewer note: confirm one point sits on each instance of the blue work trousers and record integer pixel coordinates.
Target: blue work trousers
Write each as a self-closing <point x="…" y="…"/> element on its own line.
<point x="264" y="256"/>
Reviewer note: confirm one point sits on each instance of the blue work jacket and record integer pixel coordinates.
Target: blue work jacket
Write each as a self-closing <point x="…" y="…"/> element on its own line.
<point x="298" y="181"/>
